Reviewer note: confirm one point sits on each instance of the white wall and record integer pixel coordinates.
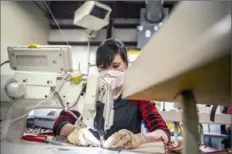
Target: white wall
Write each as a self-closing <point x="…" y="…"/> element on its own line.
<point x="22" y="23"/>
<point x="80" y="53"/>
<point x="79" y="35"/>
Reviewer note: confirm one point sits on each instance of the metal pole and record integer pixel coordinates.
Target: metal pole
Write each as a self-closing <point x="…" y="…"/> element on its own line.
<point x="176" y="132"/>
<point x="88" y="48"/>
<point x="164" y="108"/>
<point x="201" y="134"/>
<point x="190" y="121"/>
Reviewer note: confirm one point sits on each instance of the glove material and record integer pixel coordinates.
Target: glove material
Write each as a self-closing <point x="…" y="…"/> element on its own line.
<point x="124" y="139"/>
<point x="83" y="137"/>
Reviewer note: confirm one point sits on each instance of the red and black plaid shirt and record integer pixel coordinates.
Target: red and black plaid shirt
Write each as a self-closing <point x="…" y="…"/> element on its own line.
<point x="149" y="114"/>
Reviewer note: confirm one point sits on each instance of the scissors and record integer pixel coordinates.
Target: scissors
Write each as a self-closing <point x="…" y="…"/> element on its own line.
<point x="42" y="139"/>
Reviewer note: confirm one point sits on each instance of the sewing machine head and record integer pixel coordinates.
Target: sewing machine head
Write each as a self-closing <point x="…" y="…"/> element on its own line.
<point x="44" y="78"/>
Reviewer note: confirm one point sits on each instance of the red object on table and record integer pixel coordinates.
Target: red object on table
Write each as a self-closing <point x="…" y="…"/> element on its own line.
<point x="42" y="139"/>
<point x="36" y="138"/>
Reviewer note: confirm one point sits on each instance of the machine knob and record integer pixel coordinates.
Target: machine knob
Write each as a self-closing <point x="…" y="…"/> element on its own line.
<point x="15" y="89"/>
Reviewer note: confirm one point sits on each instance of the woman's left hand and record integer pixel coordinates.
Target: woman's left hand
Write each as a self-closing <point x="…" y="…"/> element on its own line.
<point x="157" y="135"/>
<point x="176" y="147"/>
<point x="124" y="139"/>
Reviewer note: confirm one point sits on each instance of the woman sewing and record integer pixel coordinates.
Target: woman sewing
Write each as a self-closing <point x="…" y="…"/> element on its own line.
<point x="125" y="133"/>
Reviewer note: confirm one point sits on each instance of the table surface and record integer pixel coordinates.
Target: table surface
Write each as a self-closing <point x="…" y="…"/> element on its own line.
<point x="37" y="148"/>
<point x="32" y="148"/>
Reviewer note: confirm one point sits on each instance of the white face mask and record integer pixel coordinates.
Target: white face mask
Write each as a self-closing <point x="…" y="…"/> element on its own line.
<point x="114" y="78"/>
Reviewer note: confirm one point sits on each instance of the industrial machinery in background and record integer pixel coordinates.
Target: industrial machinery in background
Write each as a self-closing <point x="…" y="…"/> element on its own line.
<point x="151" y="20"/>
<point x="44" y="78"/>
<point x="92" y="16"/>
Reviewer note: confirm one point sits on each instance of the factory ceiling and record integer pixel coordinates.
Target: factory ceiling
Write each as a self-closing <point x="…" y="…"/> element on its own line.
<point x="120" y="9"/>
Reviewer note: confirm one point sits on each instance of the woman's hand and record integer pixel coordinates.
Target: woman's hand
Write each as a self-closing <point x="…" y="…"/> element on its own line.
<point x="176" y="147"/>
<point x="83" y="137"/>
<point x="157" y="135"/>
<point x="124" y="139"/>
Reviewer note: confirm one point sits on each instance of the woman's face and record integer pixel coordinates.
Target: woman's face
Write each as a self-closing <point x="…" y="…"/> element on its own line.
<point x="118" y="64"/>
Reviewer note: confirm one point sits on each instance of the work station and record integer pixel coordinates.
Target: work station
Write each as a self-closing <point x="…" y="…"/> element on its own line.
<point x="128" y="77"/>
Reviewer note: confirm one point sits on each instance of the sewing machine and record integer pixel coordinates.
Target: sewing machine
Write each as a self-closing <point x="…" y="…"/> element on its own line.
<point x="44" y="78"/>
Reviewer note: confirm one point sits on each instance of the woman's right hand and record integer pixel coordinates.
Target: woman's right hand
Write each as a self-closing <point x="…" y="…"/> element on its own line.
<point x="83" y="137"/>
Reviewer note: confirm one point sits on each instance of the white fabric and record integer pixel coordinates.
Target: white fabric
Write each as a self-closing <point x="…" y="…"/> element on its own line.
<point x="83" y="137"/>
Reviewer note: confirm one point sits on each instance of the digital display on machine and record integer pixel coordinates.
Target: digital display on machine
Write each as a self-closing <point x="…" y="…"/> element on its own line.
<point x="32" y="60"/>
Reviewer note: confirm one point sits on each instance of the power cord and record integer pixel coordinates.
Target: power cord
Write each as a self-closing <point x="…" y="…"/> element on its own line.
<point x="5" y="62"/>
<point x="50" y="97"/>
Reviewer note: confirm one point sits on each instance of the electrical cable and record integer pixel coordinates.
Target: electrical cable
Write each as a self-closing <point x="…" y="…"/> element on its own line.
<point x="78" y="98"/>
<point x="56" y="92"/>
<point x="57" y="95"/>
<point x="24" y="115"/>
<point x="68" y="109"/>
<point x="56" y="22"/>
<point x="88" y="57"/>
<point x="62" y="103"/>
<point x="41" y="102"/>
<point x="5" y="62"/>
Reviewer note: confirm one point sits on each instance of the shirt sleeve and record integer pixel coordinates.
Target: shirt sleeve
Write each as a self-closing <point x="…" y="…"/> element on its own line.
<point x="152" y="118"/>
<point x="63" y="119"/>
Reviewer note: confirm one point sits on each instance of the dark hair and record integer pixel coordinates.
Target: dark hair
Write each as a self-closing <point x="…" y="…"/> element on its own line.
<point x="107" y="50"/>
